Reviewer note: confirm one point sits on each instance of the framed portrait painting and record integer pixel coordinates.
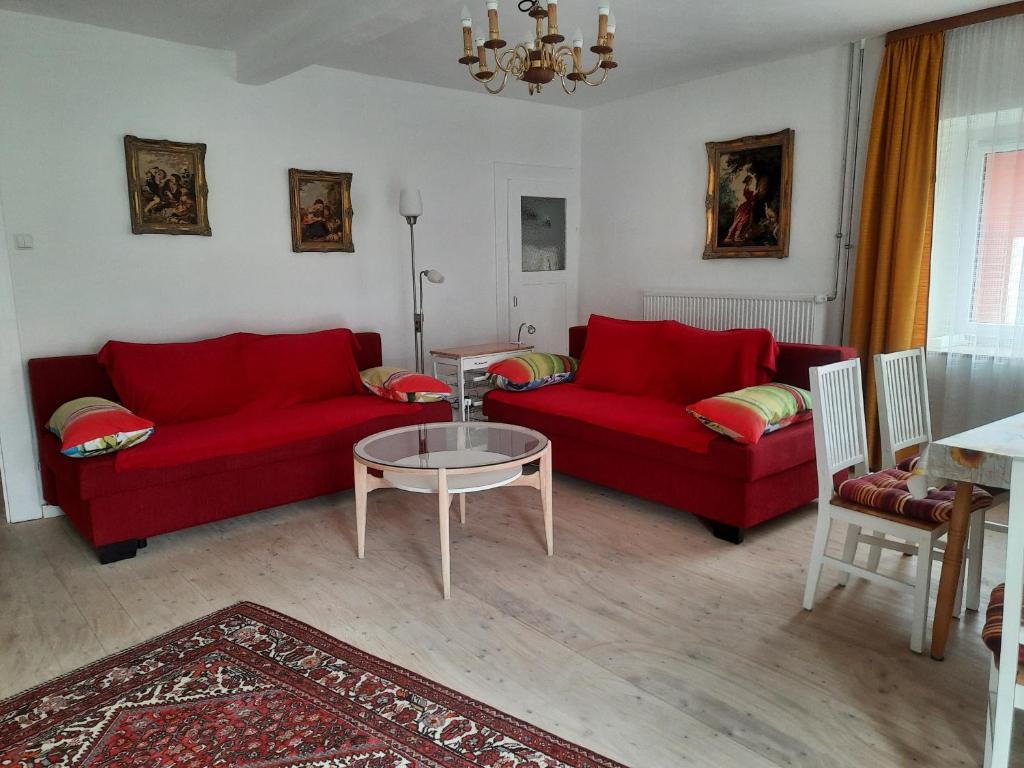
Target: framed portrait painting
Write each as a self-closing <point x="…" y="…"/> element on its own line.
<point x="166" y="187"/>
<point x="750" y="184"/>
<point x="321" y="208"/>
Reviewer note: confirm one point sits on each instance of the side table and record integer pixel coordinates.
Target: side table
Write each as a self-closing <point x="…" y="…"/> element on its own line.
<point x="473" y="359"/>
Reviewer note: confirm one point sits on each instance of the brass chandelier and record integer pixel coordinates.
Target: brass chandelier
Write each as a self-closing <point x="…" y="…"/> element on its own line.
<point x="540" y="57"/>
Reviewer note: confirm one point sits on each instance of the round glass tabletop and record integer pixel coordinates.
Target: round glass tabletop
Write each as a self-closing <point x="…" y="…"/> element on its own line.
<point x="451" y="445"/>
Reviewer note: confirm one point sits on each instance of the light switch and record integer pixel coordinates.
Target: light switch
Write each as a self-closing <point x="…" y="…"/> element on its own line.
<point x="23" y="242"/>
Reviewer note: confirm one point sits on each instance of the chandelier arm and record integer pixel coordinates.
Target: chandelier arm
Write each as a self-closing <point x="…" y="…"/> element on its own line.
<point x="500" y="88"/>
<point x="570" y="92"/>
<point x="604" y="76"/>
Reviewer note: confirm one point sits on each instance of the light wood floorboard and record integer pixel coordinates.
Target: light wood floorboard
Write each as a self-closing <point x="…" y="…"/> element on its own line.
<point x="643" y="638"/>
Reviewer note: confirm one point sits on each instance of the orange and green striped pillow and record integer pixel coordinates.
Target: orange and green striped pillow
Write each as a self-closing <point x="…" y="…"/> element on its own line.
<point x="747" y="414"/>
<point x="531" y="371"/>
<point x="91" y="426"/>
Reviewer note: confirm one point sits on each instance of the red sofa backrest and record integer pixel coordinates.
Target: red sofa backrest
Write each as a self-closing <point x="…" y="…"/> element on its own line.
<point x="54" y="381"/>
<point x="792" y="362"/>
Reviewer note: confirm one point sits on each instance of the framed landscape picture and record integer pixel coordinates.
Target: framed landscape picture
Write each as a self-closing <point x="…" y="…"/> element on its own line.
<point x="750" y="183"/>
<point x="166" y="187"/>
<point x="321" y="209"/>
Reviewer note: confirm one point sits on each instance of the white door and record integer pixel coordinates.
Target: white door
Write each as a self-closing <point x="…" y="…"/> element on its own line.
<point x="543" y="261"/>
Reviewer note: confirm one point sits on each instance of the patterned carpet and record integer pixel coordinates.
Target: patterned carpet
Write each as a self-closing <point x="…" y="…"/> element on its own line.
<point x="251" y="687"/>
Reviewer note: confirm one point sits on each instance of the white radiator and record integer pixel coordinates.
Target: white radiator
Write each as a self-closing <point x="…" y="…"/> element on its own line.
<point x="792" y="318"/>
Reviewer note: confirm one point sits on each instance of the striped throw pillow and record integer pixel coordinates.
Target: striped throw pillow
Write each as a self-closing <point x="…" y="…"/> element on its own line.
<point x="404" y="386"/>
<point x="747" y="414"/>
<point x="531" y="371"/>
<point x="91" y="426"/>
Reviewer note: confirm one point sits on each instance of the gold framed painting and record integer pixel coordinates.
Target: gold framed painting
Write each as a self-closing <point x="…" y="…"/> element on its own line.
<point x="166" y="187"/>
<point x="750" y="185"/>
<point x="321" y="209"/>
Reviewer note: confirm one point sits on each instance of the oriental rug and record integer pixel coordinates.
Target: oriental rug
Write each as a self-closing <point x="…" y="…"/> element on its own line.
<point x="250" y="687"/>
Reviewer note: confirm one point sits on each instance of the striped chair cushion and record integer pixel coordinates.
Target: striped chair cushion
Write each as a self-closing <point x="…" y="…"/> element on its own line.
<point x="887" y="491"/>
<point x="992" y="632"/>
<point x="909" y="464"/>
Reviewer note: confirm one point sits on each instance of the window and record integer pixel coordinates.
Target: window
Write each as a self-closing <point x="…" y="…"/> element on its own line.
<point x="997" y="259"/>
<point x="976" y="301"/>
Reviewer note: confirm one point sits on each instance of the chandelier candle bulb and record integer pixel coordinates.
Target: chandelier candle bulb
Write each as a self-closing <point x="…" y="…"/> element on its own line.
<point x="552" y="36"/>
<point x="493" y="41"/>
<point x="467" y="38"/>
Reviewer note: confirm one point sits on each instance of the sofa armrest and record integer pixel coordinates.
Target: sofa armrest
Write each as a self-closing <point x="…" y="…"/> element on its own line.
<point x="794" y="360"/>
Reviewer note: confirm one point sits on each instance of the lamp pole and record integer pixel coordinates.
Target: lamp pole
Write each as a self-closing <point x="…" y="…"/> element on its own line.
<point x="417" y="300"/>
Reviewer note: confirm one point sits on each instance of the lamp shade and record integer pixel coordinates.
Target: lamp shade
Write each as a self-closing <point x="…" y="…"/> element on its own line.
<point x="410" y="203"/>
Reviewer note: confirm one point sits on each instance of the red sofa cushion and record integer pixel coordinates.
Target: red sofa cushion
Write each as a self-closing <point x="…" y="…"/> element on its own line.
<point x="171" y="383"/>
<point x="103" y="476"/>
<point x="697" y="364"/>
<point x="181" y="382"/>
<point x="673" y="361"/>
<point x="620" y="355"/>
<point x="291" y="368"/>
<point x="655" y="429"/>
<point x="238" y="433"/>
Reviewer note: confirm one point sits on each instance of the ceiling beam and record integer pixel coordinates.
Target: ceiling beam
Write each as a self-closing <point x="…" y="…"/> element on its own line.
<point x="302" y="33"/>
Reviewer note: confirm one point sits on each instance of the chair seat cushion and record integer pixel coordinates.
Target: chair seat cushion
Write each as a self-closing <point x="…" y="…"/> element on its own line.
<point x="887" y="491"/>
<point x="992" y="632"/>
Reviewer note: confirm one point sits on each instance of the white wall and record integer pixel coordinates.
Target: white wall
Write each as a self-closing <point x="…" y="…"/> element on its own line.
<point x="645" y="174"/>
<point x="70" y="92"/>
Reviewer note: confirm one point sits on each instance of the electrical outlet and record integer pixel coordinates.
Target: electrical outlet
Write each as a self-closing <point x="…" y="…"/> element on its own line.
<point x="23" y="242"/>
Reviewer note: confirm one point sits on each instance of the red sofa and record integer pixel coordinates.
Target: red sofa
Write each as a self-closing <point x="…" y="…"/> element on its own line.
<point x="643" y="444"/>
<point x="274" y="428"/>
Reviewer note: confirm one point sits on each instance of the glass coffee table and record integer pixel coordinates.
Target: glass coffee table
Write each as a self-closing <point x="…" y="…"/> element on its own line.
<point x="451" y="459"/>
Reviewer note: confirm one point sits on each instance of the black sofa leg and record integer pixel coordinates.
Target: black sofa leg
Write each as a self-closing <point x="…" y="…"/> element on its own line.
<point x="725" y="532"/>
<point x="119" y="550"/>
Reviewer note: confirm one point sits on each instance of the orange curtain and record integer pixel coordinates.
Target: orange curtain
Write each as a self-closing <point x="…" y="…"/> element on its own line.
<point x="890" y="293"/>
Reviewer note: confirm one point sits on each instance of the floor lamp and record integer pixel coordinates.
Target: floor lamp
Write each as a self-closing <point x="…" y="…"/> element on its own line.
<point x="410" y="205"/>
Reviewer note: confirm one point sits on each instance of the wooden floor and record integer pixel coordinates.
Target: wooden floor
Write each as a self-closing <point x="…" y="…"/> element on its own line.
<point x="643" y="637"/>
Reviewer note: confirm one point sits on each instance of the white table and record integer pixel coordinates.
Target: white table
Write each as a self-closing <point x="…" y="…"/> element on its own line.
<point x="451" y="459"/>
<point x="991" y="455"/>
<point x="475" y="358"/>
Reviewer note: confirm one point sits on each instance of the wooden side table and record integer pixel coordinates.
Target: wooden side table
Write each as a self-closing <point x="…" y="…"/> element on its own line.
<point x="473" y="359"/>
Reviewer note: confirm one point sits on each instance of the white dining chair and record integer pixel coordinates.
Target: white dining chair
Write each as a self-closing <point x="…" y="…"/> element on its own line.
<point x="1004" y="634"/>
<point x="840" y="441"/>
<point x="904" y="421"/>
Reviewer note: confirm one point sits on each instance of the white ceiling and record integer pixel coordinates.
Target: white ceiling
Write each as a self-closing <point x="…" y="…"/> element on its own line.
<point x="658" y="42"/>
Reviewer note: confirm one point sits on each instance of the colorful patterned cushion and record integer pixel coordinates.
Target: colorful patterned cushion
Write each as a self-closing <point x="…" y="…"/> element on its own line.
<point x="90" y="426"/>
<point x="887" y="491"/>
<point x="531" y="371"/>
<point x="404" y="386"/>
<point x="992" y="632"/>
<point x="747" y="414"/>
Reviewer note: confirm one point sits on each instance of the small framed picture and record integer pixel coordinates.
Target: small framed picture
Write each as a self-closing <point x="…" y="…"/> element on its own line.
<point x="166" y="187"/>
<point x="750" y="183"/>
<point x="321" y="206"/>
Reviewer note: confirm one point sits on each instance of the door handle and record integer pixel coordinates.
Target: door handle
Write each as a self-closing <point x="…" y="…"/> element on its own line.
<point x="515" y="301"/>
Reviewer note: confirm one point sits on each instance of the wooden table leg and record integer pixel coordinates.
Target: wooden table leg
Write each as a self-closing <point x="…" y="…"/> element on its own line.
<point x="952" y="560"/>
<point x="545" y="493"/>
<point x="361" y="491"/>
<point x="443" y="505"/>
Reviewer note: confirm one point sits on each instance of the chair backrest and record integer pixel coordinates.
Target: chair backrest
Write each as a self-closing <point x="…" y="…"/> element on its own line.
<point x="901" y="382"/>
<point x="840" y="437"/>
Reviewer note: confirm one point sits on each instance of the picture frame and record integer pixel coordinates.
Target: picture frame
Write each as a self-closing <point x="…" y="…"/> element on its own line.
<point x="167" y="188"/>
<point x="321" y="210"/>
<point x="749" y="194"/>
